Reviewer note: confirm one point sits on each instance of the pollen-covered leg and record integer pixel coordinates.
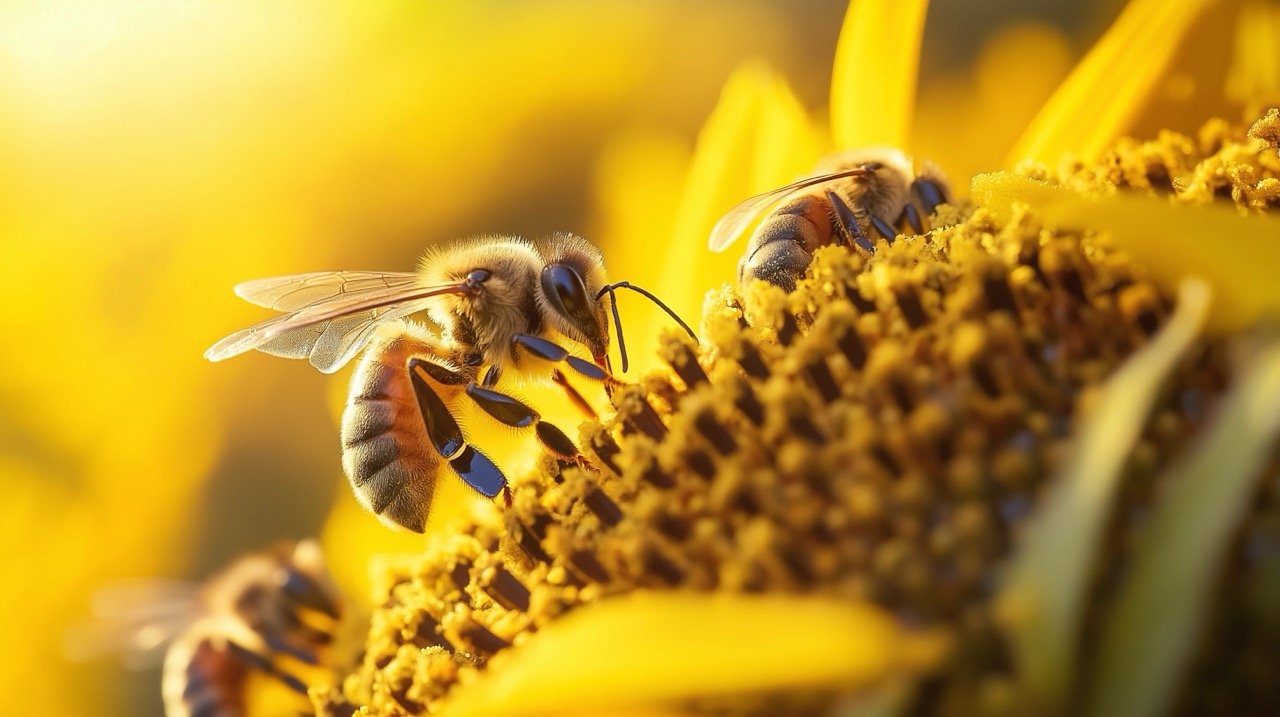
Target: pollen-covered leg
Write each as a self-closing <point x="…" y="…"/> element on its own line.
<point x="474" y="467"/>
<point x="517" y="414"/>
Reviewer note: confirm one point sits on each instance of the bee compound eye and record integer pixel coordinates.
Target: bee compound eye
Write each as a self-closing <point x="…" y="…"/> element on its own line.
<point x="477" y="277"/>
<point x="567" y="294"/>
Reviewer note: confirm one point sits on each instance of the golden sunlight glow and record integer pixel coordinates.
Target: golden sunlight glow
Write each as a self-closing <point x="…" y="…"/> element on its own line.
<point x="901" y="473"/>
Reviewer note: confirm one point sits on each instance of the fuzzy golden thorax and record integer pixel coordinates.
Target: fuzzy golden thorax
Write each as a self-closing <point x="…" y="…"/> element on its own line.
<point x="486" y="320"/>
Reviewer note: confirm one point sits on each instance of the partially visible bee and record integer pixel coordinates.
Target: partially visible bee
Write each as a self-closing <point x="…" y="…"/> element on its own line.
<point x="852" y="195"/>
<point x="257" y="615"/>
<point x="502" y="304"/>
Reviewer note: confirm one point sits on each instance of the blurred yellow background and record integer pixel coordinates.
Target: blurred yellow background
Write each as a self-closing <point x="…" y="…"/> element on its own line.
<point x="153" y="153"/>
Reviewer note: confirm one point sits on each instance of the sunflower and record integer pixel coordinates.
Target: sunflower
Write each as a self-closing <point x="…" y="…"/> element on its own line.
<point x="1020" y="463"/>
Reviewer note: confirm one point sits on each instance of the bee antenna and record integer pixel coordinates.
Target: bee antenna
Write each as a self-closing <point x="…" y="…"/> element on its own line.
<point x="611" y="288"/>
<point x="617" y="322"/>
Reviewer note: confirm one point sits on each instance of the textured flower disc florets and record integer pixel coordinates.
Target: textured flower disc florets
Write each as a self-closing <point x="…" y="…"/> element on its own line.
<point x="880" y="433"/>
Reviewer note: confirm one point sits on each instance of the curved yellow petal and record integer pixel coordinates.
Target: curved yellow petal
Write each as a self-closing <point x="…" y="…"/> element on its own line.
<point x="1044" y="595"/>
<point x="1255" y="64"/>
<point x="649" y="648"/>
<point x="1113" y="82"/>
<point x="1149" y="635"/>
<point x="1236" y="253"/>
<point x="757" y="138"/>
<point x="873" y="83"/>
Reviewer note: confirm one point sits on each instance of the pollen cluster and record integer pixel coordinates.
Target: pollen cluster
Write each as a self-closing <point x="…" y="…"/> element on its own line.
<point x="880" y="433"/>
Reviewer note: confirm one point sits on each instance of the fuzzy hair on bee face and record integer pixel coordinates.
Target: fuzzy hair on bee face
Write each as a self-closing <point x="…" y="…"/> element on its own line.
<point x="503" y="305"/>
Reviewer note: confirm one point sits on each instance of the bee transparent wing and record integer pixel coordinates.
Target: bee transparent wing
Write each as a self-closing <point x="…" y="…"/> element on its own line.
<point x="290" y="293"/>
<point x="330" y="345"/>
<point x="136" y="620"/>
<point x="328" y="332"/>
<point x="736" y="220"/>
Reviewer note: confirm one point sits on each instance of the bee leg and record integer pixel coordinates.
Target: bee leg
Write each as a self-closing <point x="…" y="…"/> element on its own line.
<point x="264" y="664"/>
<point x="304" y="591"/>
<point x="847" y="226"/>
<point x="913" y="219"/>
<point x="517" y="414"/>
<point x="491" y="376"/>
<point x="558" y="378"/>
<point x="550" y="351"/>
<point x="930" y="194"/>
<point x="473" y="466"/>
<point x="884" y="229"/>
<point x="283" y="646"/>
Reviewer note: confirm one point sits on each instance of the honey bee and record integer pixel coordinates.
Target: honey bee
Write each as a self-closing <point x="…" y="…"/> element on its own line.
<point x="500" y="303"/>
<point x="262" y="608"/>
<point x="261" y="612"/>
<point x="853" y="194"/>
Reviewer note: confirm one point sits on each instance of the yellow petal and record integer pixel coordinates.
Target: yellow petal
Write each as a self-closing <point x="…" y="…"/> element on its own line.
<point x="757" y="138"/>
<point x="1105" y="92"/>
<point x="1236" y="253"/>
<point x="647" y="648"/>
<point x="873" y="83"/>
<point x="1047" y="585"/>
<point x="1149" y="635"/>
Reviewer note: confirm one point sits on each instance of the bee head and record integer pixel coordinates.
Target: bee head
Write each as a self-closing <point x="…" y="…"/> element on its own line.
<point x="572" y="275"/>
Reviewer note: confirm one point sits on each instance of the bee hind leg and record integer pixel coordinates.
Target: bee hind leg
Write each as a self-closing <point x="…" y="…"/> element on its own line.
<point x="474" y="467"/>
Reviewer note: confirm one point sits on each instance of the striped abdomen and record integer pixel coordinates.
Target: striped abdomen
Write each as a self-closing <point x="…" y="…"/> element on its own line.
<point x="386" y="452"/>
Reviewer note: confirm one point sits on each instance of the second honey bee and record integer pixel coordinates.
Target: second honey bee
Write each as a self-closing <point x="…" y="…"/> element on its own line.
<point x="501" y="304"/>
<point x="272" y="613"/>
<point x="261" y="610"/>
<point x="853" y="196"/>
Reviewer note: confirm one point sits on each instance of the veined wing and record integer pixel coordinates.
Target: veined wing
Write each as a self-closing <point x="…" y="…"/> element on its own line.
<point x="736" y="220"/>
<point x="135" y="619"/>
<point x="331" y="331"/>
<point x="290" y="293"/>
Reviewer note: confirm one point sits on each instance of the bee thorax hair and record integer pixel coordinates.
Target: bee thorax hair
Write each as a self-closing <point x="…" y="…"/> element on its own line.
<point x="488" y="319"/>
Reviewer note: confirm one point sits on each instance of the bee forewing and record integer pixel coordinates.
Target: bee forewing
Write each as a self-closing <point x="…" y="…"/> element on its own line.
<point x="736" y="220"/>
<point x="290" y="293"/>
<point x="330" y="331"/>
<point x="134" y="619"/>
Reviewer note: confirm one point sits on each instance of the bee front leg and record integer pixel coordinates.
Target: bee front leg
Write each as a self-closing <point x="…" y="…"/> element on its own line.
<point x="550" y="351"/>
<point x="517" y="414"/>
<point x="847" y="225"/>
<point x="474" y="467"/>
